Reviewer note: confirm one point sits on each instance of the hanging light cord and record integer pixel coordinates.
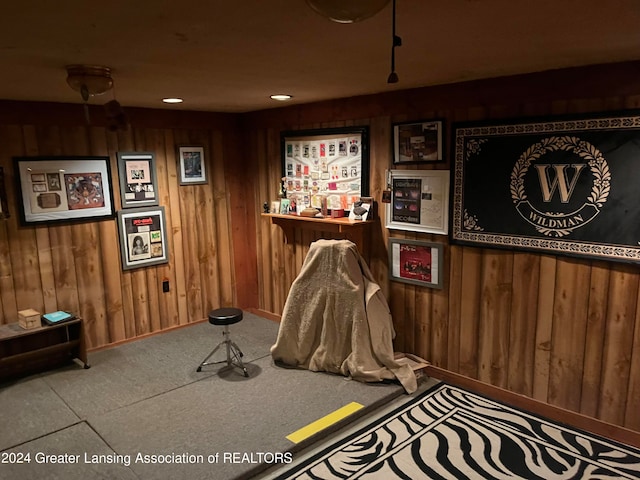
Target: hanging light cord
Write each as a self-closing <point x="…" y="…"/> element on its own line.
<point x="396" y="42"/>
<point x="84" y="92"/>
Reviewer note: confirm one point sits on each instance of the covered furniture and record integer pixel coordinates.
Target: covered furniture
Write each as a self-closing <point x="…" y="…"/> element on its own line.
<point x="336" y="319"/>
<point x="225" y="317"/>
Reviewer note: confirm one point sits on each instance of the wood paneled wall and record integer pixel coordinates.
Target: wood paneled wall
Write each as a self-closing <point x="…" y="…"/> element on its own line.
<point x="561" y="330"/>
<point x="76" y="267"/>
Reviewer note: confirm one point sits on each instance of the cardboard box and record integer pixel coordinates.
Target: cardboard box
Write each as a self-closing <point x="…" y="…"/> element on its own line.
<point x="29" y="318"/>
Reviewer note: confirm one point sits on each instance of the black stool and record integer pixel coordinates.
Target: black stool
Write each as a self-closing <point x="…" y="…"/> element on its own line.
<point x="226" y="317"/>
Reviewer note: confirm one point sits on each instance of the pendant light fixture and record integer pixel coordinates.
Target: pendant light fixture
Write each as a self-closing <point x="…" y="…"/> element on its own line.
<point x="347" y="11"/>
<point x="89" y="80"/>
<point x="396" y="41"/>
<point x="351" y="11"/>
<point x="94" y="80"/>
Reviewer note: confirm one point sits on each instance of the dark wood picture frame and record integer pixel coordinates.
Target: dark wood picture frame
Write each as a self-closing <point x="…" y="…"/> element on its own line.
<point x="325" y="162"/>
<point x="418" y="142"/>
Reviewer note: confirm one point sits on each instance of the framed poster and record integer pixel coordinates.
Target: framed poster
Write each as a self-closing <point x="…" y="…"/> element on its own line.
<point x="331" y="162"/>
<point x="192" y="165"/>
<point x="563" y="185"/>
<point x="143" y="237"/>
<point x="419" y="201"/>
<point x="138" y="182"/>
<point x="418" y="142"/>
<point x="64" y="189"/>
<point x="415" y="262"/>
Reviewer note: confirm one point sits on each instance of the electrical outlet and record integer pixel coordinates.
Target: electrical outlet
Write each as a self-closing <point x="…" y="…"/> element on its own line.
<point x="165" y="286"/>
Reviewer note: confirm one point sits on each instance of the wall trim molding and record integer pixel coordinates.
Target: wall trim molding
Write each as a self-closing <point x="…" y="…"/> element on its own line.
<point x="557" y="414"/>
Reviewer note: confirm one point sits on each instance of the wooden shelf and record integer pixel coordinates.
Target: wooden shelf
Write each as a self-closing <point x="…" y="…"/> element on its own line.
<point x="352" y="229"/>
<point x="24" y="351"/>
<point x="326" y="224"/>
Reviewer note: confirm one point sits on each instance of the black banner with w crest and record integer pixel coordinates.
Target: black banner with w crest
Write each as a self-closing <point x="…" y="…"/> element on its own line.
<point x="566" y="186"/>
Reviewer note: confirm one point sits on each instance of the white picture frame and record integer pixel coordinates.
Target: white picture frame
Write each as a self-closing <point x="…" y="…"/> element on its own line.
<point x="416" y="262"/>
<point x="419" y="201"/>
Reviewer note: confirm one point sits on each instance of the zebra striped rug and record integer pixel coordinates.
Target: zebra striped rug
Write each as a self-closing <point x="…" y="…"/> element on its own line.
<point x="450" y="433"/>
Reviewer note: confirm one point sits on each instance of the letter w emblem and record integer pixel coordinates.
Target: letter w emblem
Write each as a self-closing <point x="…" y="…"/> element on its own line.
<point x="560" y="181"/>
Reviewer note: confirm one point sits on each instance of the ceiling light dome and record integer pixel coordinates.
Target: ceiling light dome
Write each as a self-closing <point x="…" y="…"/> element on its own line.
<point x="347" y="11"/>
<point x="89" y="80"/>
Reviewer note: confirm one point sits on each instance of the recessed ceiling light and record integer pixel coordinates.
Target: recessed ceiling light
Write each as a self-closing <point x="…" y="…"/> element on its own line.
<point x="281" y="97"/>
<point x="172" y="100"/>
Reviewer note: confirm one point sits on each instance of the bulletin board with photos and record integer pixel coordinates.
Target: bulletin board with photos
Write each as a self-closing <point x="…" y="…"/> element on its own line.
<point x="330" y="164"/>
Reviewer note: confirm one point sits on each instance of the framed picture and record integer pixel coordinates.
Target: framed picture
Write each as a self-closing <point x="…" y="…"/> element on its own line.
<point x="415" y="262"/>
<point x="419" y="201"/>
<point x="564" y="185"/>
<point x="192" y="165"/>
<point x="138" y="181"/>
<point x="64" y="189"/>
<point x="284" y="206"/>
<point x="333" y="162"/>
<point x="143" y="237"/>
<point x="417" y="142"/>
<point x="275" y="206"/>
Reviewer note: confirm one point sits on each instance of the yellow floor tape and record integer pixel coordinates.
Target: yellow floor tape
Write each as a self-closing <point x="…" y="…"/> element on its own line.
<point x="324" y="422"/>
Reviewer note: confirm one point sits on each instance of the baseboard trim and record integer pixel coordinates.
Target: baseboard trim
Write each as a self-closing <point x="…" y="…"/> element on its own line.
<point x="255" y="311"/>
<point x="263" y="313"/>
<point x="557" y="414"/>
<point x="144" y="335"/>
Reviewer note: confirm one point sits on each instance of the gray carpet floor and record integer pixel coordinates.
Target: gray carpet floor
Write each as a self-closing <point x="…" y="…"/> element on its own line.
<point x="143" y="412"/>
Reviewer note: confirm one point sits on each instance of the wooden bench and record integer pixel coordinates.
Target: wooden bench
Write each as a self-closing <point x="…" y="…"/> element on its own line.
<point x="26" y="351"/>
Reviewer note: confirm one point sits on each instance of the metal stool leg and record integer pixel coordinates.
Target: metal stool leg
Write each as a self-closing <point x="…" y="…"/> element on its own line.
<point x="234" y="354"/>
<point x="204" y="362"/>
<point x="232" y="349"/>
